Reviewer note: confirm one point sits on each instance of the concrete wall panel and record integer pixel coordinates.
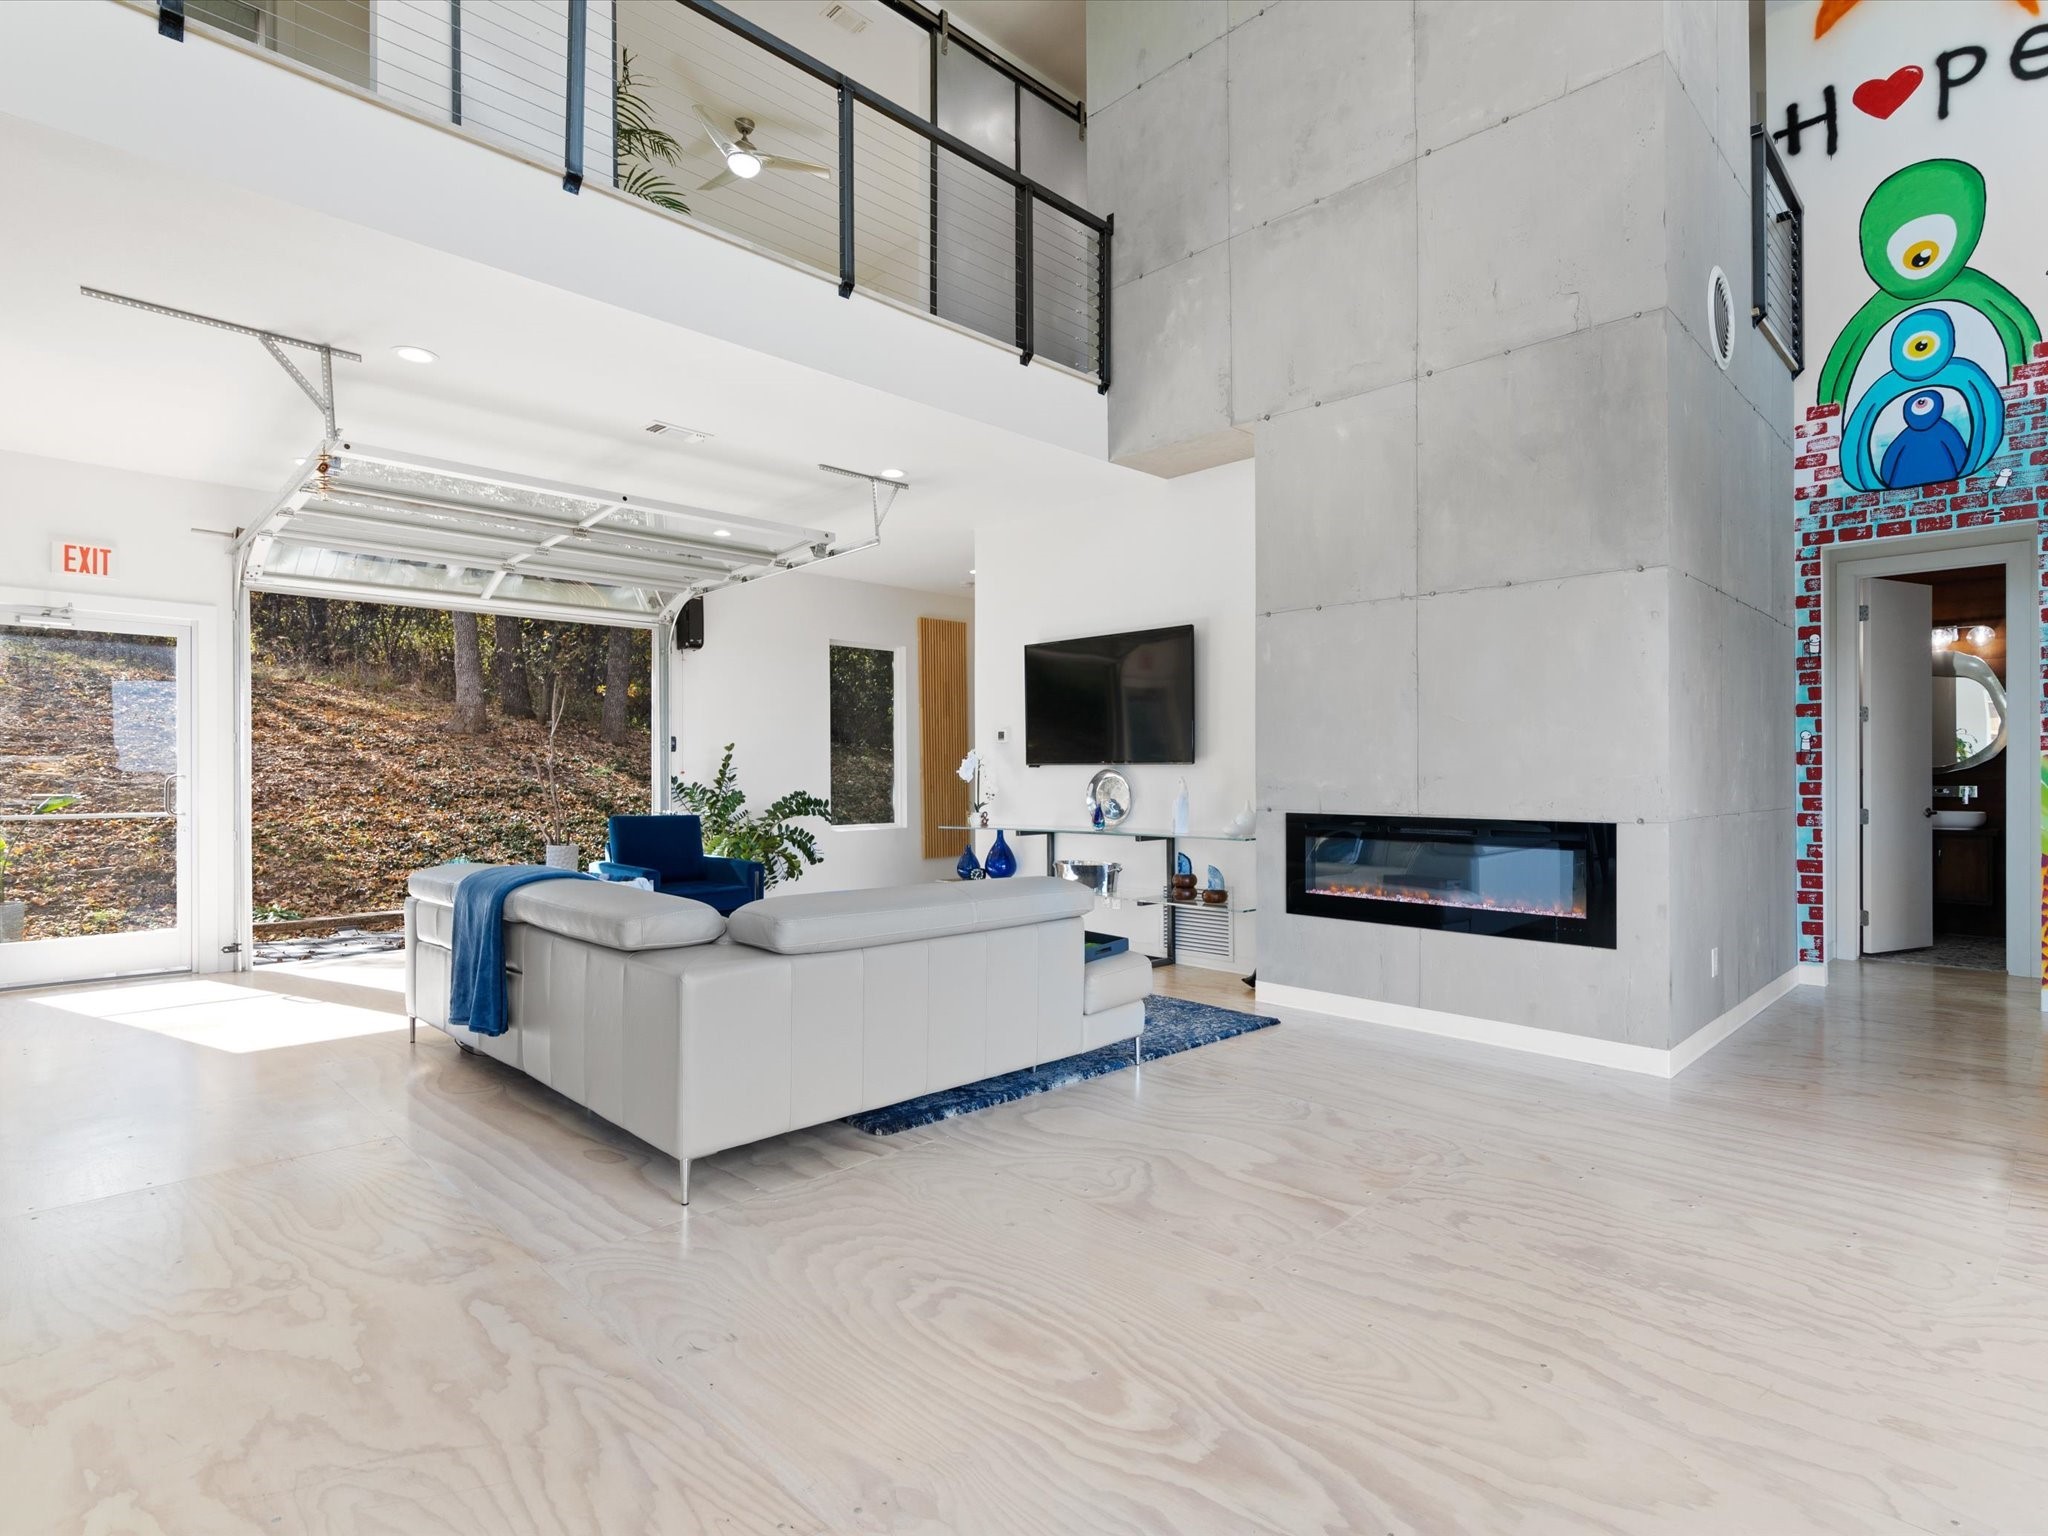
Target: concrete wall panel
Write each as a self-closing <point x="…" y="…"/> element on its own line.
<point x="1322" y="302"/>
<point x="1336" y="495"/>
<point x="1481" y="62"/>
<point x="1520" y="243"/>
<point x="1548" y="461"/>
<point x="1178" y="320"/>
<point x="1727" y="894"/>
<point x="1337" y="718"/>
<point x="1731" y="705"/>
<point x="1546" y="700"/>
<point x="1322" y="97"/>
<point x="1132" y="41"/>
<point x="1155" y="157"/>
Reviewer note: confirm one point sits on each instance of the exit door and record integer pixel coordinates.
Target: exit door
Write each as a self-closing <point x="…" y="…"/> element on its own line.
<point x="96" y="863"/>
<point x="1897" y="673"/>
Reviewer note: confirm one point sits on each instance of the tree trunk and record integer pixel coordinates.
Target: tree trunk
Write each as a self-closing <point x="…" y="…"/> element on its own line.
<point x="469" y="678"/>
<point x="508" y="668"/>
<point x="618" y="684"/>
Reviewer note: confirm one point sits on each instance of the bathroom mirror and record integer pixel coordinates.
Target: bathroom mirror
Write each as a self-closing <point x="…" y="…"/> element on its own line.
<point x="1969" y="712"/>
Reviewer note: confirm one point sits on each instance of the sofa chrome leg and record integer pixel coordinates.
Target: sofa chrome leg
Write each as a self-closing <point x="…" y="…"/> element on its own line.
<point x="1138" y="1050"/>
<point x="684" y="1190"/>
<point x="413" y="1030"/>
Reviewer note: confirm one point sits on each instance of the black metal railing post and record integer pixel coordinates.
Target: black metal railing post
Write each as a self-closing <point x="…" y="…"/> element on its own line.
<point x="1102" y="303"/>
<point x="1026" y="321"/>
<point x="846" y="263"/>
<point x="170" y="20"/>
<point x="572" y="125"/>
<point x="455" y="61"/>
<point x="1759" y="227"/>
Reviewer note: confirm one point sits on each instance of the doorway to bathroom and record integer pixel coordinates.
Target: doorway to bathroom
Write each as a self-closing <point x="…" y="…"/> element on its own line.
<point x="1931" y="807"/>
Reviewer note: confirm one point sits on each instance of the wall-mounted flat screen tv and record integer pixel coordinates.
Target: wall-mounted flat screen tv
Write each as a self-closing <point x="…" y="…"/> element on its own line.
<point x="1126" y="698"/>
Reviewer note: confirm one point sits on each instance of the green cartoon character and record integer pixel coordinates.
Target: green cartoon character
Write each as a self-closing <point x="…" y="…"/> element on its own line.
<point x="1917" y="232"/>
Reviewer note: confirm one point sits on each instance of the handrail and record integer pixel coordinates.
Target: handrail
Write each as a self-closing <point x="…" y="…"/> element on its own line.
<point x="1785" y="332"/>
<point x="902" y="116"/>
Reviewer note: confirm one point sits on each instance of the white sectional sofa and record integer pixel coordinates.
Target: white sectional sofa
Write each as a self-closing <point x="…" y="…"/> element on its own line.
<point x="697" y="1033"/>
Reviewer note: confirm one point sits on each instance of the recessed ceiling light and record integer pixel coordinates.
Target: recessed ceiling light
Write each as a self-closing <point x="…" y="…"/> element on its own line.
<point x="892" y="474"/>
<point x="721" y="533"/>
<point x="414" y="354"/>
<point x="970" y="570"/>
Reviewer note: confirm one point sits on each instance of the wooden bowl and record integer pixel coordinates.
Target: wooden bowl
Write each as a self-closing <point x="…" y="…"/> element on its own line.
<point x="1215" y="898"/>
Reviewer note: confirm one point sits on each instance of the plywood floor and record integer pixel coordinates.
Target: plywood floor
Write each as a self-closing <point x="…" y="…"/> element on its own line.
<point x="1321" y="1278"/>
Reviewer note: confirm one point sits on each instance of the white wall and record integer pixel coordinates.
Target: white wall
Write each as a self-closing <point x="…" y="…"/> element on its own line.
<point x="1171" y="552"/>
<point x="760" y="681"/>
<point x="161" y="556"/>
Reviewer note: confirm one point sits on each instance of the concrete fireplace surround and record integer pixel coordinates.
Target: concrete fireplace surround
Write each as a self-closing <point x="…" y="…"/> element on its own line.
<point x="1520" y="538"/>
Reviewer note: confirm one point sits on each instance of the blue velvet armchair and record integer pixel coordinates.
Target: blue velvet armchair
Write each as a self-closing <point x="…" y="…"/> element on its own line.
<point x="669" y="850"/>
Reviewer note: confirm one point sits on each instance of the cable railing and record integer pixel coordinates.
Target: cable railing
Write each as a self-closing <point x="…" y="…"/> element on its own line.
<point x="1777" y="306"/>
<point x="699" y="111"/>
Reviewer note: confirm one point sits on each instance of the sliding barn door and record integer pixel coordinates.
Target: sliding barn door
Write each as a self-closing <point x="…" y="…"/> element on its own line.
<point x="942" y="731"/>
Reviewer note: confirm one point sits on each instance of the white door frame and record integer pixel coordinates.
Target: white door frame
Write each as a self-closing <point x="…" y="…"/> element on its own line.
<point x="1842" y="568"/>
<point x="100" y="957"/>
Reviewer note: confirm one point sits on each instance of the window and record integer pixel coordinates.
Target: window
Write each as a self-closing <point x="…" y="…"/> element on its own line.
<point x="863" y="737"/>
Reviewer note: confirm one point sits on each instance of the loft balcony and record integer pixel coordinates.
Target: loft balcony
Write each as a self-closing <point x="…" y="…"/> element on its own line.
<point x="699" y="115"/>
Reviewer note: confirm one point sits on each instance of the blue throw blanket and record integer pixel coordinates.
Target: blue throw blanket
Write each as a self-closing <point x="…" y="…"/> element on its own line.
<point x="476" y="992"/>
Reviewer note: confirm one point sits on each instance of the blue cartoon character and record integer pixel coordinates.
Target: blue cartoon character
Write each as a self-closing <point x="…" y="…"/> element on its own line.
<point x="1934" y="381"/>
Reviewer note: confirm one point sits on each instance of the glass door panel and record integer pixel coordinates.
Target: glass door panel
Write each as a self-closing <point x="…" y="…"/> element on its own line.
<point x="94" y="741"/>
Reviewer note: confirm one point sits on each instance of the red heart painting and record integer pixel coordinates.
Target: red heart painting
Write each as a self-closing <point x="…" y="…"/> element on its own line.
<point x="1881" y="98"/>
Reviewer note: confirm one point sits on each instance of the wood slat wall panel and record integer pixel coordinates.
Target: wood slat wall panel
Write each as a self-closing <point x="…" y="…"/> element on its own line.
<point x="943" y="731"/>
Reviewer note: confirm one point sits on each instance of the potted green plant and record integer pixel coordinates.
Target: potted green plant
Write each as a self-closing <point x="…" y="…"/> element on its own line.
<point x="768" y="836"/>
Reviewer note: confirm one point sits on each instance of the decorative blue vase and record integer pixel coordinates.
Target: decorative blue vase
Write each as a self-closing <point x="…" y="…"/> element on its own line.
<point x="969" y="867"/>
<point x="1002" y="863"/>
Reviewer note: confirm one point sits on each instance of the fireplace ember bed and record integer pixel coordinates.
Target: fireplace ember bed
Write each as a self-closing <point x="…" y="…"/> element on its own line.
<point x="1550" y="881"/>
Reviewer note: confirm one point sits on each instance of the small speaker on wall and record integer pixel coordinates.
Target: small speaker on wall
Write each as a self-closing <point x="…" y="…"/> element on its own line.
<point x="690" y="626"/>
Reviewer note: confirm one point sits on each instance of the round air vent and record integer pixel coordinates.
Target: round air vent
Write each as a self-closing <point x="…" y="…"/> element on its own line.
<point x="1720" y="317"/>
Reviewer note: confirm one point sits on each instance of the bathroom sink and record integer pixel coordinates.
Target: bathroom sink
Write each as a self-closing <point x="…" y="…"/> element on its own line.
<point x="1960" y="821"/>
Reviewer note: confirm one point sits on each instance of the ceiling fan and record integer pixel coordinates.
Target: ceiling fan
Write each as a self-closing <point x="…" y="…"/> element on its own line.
<point x="743" y="162"/>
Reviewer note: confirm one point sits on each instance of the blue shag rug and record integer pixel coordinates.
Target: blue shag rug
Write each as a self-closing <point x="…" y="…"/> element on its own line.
<point x="1172" y="1025"/>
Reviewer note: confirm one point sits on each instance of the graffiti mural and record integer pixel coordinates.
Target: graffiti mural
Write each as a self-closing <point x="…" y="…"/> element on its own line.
<point x="1911" y="134"/>
<point x="1919" y="367"/>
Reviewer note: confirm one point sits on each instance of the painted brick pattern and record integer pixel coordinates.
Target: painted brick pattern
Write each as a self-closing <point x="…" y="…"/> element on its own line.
<point x="2012" y="488"/>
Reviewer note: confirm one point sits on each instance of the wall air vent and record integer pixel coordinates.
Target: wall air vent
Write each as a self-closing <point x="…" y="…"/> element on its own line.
<point x="1720" y="317"/>
<point x="845" y="17"/>
<point x="676" y="434"/>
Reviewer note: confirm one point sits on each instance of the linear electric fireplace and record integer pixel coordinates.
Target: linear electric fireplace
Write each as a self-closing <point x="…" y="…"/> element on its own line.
<point x="1547" y="880"/>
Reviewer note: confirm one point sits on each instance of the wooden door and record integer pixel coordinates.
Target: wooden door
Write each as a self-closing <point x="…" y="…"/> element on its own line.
<point x="942" y="732"/>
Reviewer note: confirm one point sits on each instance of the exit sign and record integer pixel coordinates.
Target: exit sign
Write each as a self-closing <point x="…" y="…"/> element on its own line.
<point x="81" y="559"/>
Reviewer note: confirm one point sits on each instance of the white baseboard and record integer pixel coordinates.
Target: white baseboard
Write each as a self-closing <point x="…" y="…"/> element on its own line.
<point x="1812" y="975"/>
<point x="1616" y="1054"/>
<point x="1707" y="1036"/>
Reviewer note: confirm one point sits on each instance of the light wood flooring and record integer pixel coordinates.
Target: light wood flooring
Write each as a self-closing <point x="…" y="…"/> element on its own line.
<point x="1318" y="1279"/>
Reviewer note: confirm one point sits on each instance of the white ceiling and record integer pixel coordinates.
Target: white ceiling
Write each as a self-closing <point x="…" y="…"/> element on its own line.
<point x="1048" y="37"/>
<point x="530" y="378"/>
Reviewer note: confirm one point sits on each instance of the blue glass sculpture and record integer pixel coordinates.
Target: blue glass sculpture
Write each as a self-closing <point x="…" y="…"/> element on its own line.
<point x="1002" y="863"/>
<point x="969" y="867"/>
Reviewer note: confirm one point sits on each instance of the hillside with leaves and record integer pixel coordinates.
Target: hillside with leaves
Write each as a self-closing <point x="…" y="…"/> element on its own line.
<point x="355" y="787"/>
